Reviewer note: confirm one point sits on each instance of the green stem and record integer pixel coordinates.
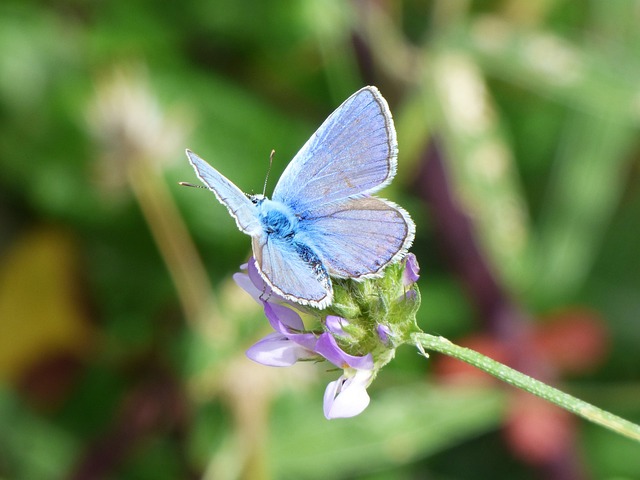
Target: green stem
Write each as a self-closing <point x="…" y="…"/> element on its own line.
<point x="531" y="385"/>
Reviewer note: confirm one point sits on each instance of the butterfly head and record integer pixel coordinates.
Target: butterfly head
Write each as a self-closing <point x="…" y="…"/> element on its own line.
<point x="256" y="199"/>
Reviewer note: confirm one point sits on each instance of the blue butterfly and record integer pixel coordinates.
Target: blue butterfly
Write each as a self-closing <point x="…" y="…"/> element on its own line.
<point x="323" y="221"/>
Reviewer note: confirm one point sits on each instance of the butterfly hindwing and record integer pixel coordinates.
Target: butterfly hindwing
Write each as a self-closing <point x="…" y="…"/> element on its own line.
<point x="356" y="238"/>
<point x="293" y="271"/>
<point x="353" y="152"/>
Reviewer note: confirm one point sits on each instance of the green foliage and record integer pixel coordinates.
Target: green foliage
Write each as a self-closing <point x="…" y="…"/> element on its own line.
<point x="536" y="106"/>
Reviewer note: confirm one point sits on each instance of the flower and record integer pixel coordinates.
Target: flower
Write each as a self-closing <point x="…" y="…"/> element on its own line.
<point x="336" y="325"/>
<point x="131" y="127"/>
<point x="411" y="272"/>
<point x="347" y="396"/>
<point x="384" y="333"/>
<point x="369" y="329"/>
<point x="253" y="283"/>
<point x="286" y="346"/>
<point x="290" y="343"/>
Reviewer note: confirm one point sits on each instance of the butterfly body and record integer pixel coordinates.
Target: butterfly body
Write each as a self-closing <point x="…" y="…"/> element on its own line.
<point x="276" y="218"/>
<point x="323" y="220"/>
<point x="281" y="230"/>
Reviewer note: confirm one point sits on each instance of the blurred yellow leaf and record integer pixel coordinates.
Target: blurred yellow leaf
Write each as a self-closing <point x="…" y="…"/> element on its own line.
<point x="40" y="314"/>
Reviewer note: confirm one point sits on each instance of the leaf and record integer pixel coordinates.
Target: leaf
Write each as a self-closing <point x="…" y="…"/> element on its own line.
<point x="400" y="425"/>
<point x="30" y="446"/>
<point x="39" y="306"/>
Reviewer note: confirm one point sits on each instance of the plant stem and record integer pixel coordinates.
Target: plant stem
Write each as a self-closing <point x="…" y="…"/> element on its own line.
<point x="590" y="412"/>
<point x="175" y="245"/>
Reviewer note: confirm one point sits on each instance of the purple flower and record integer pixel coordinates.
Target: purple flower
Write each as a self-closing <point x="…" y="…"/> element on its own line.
<point x="383" y="332"/>
<point x="253" y="283"/>
<point x="411" y="272"/>
<point x="329" y="349"/>
<point x="347" y="396"/>
<point x="336" y="325"/>
<point x="287" y="345"/>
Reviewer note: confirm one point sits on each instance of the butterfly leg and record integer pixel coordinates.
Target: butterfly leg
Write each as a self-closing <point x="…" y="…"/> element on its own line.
<point x="265" y="296"/>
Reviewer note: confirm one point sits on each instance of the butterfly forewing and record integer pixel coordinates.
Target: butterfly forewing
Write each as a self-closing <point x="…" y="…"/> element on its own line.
<point x="239" y="206"/>
<point x="353" y="152"/>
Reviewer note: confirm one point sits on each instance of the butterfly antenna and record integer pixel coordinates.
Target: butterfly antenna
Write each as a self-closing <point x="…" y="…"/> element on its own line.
<point x="264" y="190"/>
<point x="187" y="184"/>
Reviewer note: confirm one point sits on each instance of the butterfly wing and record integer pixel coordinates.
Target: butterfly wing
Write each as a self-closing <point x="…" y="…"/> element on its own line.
<point x="353" y="152"/>
<point x="240" y="207"/>
<point x="293" y="271"/>
<point x="358" y="237"/>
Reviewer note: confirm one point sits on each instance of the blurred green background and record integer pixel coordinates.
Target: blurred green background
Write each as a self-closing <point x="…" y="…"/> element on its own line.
<point x="122" y="336"/>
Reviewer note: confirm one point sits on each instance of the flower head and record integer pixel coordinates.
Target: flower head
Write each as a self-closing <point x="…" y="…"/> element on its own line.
<point x="358" y="333"/>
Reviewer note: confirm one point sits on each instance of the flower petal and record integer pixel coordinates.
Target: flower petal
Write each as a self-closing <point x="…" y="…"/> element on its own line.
<point x="305" y="340"/>
<point x="346" y="397"/>
<point x="411" y="272"/>
<point x="259" y="282"/>
<point x="336" y="325"/>
<point x="330" y="394"/>
<point x="329" y="349"/>
<point x="283" y="319"/>
<point x="383" y="333"/>
<point x="276" y="350"/>
<point x="244" y="282"/>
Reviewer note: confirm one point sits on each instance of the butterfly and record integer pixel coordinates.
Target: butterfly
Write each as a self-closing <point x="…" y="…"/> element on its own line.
<point x="323" y="220"/>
